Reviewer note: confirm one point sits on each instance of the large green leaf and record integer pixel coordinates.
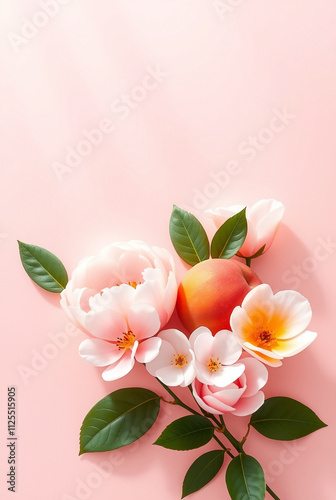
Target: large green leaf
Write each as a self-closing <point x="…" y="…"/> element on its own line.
<point x="43" y="267"/>
<point x="119" y="419"/>
<point x="188" y="237"/>
<point x="285" y="419"/>
<point x="202" y="471"/>
<point x="245" y="479"/>
<point x="229" y="237"/>
<point x="186" y="433"/>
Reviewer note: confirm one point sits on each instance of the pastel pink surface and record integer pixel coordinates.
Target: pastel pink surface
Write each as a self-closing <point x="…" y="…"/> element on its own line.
<point x="222" y="76"/>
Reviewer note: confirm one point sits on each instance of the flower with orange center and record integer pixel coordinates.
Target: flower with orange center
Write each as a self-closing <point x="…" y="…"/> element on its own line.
<point x="272" y="326"/>
<point x="175" y="363"/>
<point x="121" y="298"/>
<point x="216" y="356"/>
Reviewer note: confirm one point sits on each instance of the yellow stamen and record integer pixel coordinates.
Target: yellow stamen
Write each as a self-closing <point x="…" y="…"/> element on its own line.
<point x="133" y="284"/>
<point x="214" y="364"/>
<point x="127" y="341"/>
<point x="180" y="360"/>
<point x="265" y="338"/>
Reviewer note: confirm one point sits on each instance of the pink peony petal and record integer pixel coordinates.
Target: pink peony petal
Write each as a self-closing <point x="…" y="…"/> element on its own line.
<point x="106" y="324"/>
<point x="143" y="320"/>
<point x="170" y="296"/>
<point x="131" y="266"/>
<point x="148" y="350"/>
<point x="120" y="368"/>
<point x="99" y="353"/>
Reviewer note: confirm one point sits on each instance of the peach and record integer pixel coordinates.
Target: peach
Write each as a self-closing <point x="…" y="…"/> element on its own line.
<point x="211" y="290"/>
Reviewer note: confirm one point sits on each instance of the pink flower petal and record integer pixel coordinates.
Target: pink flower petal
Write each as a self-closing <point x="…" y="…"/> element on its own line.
<point x="246" y="406"/>
<point x="143" y="320"/>
<point x="269" y="221"/>
<point x="226" y="375"/>
<point x="120" y="368"/>
<point x="131" y="266"/>
<point x="106" y="324"/>
<point x="295" y="345"/>
<point x="99" y="353"/>
<point x="217" y="406"/>
<point x="256" y="376"/>
<point x="177" y="339"/>
<point x="258" y="305"/>
<point x="164" y="358"/>
<point x="203" y="347"/>
<point x="188" y="374"/>
<point x="170" y="296"/>
<point x="226" y="347"/>
<point x="196" y="333"/>
<point x="230" y="395"/>
<point x="170" y="375"/>
<point x="264" y="358"/>
<point x="148" y="350"/>
<point x="266" y="352"/>
<point x="295" y="312"/>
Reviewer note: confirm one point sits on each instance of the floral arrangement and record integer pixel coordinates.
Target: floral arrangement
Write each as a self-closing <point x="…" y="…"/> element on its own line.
<point x="235" y="327"/>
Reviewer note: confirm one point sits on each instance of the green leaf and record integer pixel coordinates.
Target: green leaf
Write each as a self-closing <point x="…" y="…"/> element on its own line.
<point x="202" y="471"/>
<point x="245" y="479"/>
<point x="188" y="237"/>
<point x="186" y="433"/>
<point x="119" y="419"/>
<point x="43" y="267"/>
<point x="285" y="419"/>
<point x="229" y="237"/>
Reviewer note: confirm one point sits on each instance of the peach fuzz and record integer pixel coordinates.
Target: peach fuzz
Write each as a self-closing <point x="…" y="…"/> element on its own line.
<point x="211" y="290"/>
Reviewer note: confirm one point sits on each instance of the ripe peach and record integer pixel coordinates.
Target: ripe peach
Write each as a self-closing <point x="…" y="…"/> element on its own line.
<point x="211" y="290"/>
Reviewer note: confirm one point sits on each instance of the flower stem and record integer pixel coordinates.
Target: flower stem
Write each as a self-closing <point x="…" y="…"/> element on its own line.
<point x="237" y="445"/>
<point x="271" y="492"/>
<point x="205" y="413"/>
<point x="223" y="446"/>
<point x="248" y="261"/>
<point x="246" y="435"/>
<point x="176" y="399"/>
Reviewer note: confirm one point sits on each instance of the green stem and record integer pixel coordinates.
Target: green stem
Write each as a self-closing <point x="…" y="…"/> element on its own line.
<point x="223" y="446"/>
<point x="176" y="399"/>
<point x="271" y="492"/>
<point x="246" y="435"/>
<point x="248" y="261"/>
<point x="237" y="445"/>
<point x="205" y="413"/>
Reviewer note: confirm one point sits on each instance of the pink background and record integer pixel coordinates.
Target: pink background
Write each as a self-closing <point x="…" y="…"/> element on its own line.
<point x="225" y="70"/>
